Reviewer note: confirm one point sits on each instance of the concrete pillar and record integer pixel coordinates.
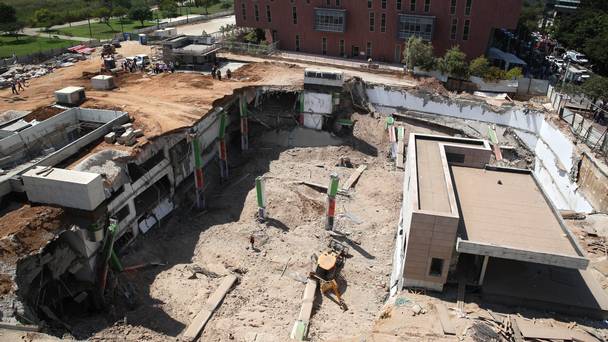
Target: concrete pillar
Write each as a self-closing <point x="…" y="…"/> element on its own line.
<point x="332" y="191"/>
<point x="261" y="198"/>
<point x="198" y="174"/>
<point x="484" y="265"/>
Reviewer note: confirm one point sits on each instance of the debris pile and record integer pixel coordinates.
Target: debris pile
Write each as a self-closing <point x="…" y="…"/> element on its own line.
<point x="29" y="71"/>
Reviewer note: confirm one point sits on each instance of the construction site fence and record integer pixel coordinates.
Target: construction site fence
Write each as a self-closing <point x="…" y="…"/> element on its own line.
<point x="42" y="56"/>
<point x="248" y="48"/>
<point x="581" y="120"/>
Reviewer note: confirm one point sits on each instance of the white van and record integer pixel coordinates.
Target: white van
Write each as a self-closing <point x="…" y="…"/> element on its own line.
<point x="575" y="57"/>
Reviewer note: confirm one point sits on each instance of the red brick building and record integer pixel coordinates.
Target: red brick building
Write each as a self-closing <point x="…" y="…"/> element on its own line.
<point x="378" y="28"/>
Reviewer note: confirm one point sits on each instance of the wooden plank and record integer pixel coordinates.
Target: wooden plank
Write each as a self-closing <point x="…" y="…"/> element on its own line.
<point x="321" y="187"/>
<point x="517" y="336"/>
<point x="198" y="323"/>
<point x="400" y="150"/>
<point x="444" y="319"/>
<point x="537" y="331"/>
<point x="19" y="327"/>
<point x="354" y="177"/>
<point x="300" y="327"/>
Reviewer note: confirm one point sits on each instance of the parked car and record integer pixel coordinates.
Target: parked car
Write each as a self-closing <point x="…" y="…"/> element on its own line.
<point x="550" y="58"/>
<point x="575" y="57"/>
<point x="559" y="63"/>
<point x="140" y="59"/>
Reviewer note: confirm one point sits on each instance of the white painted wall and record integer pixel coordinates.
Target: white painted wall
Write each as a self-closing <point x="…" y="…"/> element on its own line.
<point x="318" y="103"/>
<point x="554" y="150"/>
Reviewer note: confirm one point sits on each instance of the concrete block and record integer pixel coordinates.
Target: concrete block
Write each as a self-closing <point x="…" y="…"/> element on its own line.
<point x="67" y="188"/>
<point x="110" y="138"/>
<point x="71" y="96"/>
<point x="103" y="82"/>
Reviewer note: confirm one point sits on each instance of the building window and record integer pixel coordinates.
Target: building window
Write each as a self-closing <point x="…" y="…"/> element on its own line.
<point x="454" y="29"/>
<point x="372" y="21"/>
<point x="342" y="51"/>
<point x="398" y="5"/>
<point x="268" y="16"/>
<point x="465" y="30"/>
<point x="256" y="12"/>
<point x="328" y="2"/>
<point x="467" y="8"/>
<point x="398" y="53"/>
<point x="413" y="5"/>
<point x="427" y="5"/>
<point x="369" y="3"/>
<point x="122" y="213"/>
<point x="244" y="10"/>
<point x="338" y="3"/>
<point x="330" y="20"/>
<point x="416" y="25"/>
<point x="368" y="50"/>
<point x="453" y="7"/>
<point x="294" y="14"/>
<point x="436" y="267"/>
<point x="297" y="42"/>
<point x="383" y="4"/>
<point x="324" y="46"/>
<point x="383" y="22"/>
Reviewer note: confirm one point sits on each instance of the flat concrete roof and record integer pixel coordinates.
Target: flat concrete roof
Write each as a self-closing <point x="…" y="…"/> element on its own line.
<point x="505" y="214"/>
<point x="432" y="187"/>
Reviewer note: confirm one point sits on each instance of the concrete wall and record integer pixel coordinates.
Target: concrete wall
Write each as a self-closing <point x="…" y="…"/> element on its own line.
<point x="430" y="236"/>
<point x="388" y="100"/>
<point x="593" y="182"/>
<point x="67" y="188"/>
<point x="501" y="86"/>
<point x="318" y="103"/>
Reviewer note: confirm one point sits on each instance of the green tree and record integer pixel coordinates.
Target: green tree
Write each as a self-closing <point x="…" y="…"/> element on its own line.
<point x="596" y="88"/>
<point x="120" y="12"/>
<point x="206" y="4"/>
<point x="104" y="14"/>
<point x="514" y="73"/>
<point x="43" y="18"/>
<point x="454" y="63"/>
<point x="8" y="20"/>
<point x="479" y="67"/>
<point x="418" y="53"/>
<point x="139" y="11"/>
<point x="169" y="8"/>
<point x="586" y="30"/>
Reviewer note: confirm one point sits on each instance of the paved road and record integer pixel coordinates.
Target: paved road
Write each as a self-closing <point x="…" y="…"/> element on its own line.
<point x="209" y="26"/>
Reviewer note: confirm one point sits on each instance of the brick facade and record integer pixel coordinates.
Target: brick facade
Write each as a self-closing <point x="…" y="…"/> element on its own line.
<point x="343" y="27"/>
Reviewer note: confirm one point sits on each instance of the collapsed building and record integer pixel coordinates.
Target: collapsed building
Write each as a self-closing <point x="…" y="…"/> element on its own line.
<point x="114" y="184"/>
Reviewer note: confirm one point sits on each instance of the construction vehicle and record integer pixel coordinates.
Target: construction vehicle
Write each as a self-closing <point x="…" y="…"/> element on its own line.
<point x="329" y="264"/>
<point x="107" y="55"/>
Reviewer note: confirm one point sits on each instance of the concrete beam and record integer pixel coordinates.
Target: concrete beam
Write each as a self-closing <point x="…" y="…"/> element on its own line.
<point x="480" y="248"/>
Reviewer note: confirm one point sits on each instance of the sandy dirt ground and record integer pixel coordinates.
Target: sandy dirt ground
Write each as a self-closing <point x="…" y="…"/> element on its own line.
<point x="158" y="103"/>
<point x="265" y="303"/>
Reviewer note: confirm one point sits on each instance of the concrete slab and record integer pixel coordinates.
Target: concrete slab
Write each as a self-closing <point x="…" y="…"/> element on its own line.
<point x="508" y="209"/>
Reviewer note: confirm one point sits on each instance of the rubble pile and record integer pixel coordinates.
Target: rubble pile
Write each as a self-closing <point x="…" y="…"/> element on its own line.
<point x="29" y="71"/>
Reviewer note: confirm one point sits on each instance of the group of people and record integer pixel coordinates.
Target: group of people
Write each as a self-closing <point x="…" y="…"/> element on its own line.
<point x="17" y="85"/>
<point x="217" y="74"/>
<point x="162" y="67"/>
<point x="131" y="66"/>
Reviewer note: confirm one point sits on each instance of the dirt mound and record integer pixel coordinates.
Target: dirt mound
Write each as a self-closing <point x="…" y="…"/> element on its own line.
<point x="43" y="113"/>
<point x="433" y="85"/>
<point x="28" y="229"/>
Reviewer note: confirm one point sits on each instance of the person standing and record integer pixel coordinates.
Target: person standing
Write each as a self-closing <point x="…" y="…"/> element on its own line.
<point x="14" y="87"/>
<point x="219" y="75"/>
<point x="19" y="85"/>
<point x="229" y="74"/>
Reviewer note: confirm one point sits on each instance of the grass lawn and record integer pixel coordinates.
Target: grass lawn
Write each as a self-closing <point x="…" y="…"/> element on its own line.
<point x="27" y="44"/>
<point x="102" y="31"/>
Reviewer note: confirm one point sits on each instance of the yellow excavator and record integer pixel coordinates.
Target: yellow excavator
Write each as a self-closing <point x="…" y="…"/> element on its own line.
<point x="329" y="264"/>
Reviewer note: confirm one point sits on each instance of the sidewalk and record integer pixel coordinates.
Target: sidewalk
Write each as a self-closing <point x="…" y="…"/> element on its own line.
<point x="350" y="63"/>
<point x="36" y="32"/>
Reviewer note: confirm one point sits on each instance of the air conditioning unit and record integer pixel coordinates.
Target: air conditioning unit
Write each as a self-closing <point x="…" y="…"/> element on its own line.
<point x="70" y="96"/>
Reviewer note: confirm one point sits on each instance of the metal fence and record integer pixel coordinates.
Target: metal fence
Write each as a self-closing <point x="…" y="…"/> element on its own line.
<point x="582" y="126"/>
<point x="248" y="48"/>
